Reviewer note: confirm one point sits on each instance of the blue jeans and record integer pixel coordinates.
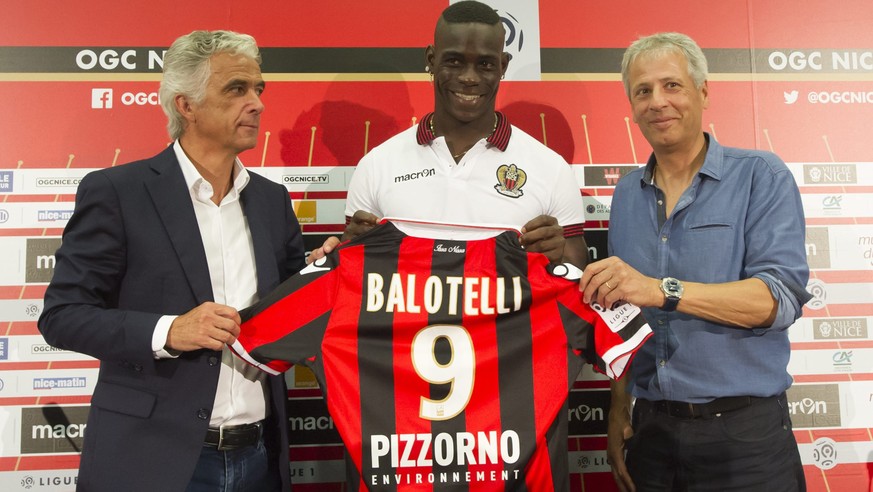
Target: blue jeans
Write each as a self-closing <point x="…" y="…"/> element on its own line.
<point x="247" y="469"/>
<point x="747" y="450"/>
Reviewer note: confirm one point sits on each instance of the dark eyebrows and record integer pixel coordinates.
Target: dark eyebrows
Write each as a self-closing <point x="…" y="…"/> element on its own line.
<point x="451" y="54"/>
<point x="463" y="55"/>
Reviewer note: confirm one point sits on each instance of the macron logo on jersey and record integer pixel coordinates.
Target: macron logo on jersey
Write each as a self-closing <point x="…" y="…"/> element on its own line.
<point x="411" y="176"/>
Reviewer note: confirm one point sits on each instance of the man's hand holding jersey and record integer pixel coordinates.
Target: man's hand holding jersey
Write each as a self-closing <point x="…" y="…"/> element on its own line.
<point x="544" y="235"/>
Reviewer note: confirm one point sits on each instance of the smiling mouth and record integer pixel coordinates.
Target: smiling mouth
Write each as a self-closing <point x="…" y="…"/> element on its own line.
<point x="661" y="122"/>
<point x="466" y="97"/>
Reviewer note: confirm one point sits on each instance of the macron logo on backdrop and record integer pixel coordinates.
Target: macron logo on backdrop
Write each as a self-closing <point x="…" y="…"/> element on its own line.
<point x="101" y="98"/>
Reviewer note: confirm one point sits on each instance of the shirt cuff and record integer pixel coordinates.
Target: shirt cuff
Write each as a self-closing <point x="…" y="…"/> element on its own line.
<point x="788" y="308"/>
<point x="159" y="339"/>
<point x="574" y="230"/>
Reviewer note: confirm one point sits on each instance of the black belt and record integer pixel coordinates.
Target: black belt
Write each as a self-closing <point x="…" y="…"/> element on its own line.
<point x="230" y="437"/>
<point x="685" y="410"/>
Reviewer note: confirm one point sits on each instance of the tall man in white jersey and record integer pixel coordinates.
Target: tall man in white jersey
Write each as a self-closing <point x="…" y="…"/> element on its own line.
<point x="465" y="163"/>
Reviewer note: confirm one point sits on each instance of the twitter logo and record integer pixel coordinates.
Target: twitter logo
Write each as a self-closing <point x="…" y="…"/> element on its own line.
<point x="790" y="97"/>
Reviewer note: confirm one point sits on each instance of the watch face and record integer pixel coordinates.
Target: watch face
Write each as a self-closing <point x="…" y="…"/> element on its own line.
<point x="672" y="290"/>
<point x="672" y="287"/>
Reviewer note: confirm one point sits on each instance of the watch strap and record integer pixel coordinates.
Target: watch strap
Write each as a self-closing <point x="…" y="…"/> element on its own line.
<point x="670" y="303"/>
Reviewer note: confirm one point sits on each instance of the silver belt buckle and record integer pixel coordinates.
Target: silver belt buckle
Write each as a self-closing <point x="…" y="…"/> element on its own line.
<point x="220" y="438"/>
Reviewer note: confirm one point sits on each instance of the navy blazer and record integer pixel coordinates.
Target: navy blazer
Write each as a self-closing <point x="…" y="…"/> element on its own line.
<point x="131" y="253"/>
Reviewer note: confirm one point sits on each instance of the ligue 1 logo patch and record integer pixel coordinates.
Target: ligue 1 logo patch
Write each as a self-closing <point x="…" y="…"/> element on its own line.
<point x="510" y="179"/>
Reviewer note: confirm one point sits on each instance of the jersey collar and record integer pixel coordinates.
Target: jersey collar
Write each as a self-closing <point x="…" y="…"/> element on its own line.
<point x="499" y="139"/>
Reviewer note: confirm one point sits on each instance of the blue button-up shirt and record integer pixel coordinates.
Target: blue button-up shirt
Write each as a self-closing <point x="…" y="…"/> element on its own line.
<point x="741" y="217"/>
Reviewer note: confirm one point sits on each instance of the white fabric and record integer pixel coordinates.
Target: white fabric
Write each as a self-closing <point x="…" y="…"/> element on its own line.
<point x="241" y="395"/>
<point x="404" y="179"/>
<point x="453" y="232"/>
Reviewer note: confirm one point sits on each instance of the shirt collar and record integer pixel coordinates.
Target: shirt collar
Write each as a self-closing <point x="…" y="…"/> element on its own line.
<point x="712" y="164"/>
<point x="200" y="188"/>
<point x="499" y="138"/>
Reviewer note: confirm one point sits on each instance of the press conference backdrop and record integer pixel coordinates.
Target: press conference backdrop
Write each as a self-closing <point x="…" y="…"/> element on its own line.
<point x="79" y="82"/>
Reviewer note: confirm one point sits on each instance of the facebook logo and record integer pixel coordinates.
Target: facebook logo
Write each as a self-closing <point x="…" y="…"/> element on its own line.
<point x="101" y="98"/>
<point x="4" y="348"/>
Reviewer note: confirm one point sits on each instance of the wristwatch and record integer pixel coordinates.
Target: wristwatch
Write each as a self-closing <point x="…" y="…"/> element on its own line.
<point x="673" y="289"/>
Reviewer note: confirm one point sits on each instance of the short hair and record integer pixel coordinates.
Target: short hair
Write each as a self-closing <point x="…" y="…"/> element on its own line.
<point x="666" y="42"/>
<point x="187" y="68"/>
<point x="470" y="11"/>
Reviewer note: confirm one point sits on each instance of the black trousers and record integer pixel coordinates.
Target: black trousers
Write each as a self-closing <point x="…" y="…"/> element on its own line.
<point x="748" y="449"/>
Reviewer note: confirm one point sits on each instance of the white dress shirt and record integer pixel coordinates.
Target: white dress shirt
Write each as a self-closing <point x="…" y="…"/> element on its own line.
<point x="242" y="393"/>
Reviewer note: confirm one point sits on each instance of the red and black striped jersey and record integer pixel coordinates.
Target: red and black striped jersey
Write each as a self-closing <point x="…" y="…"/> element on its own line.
<point x="446" y="365"/>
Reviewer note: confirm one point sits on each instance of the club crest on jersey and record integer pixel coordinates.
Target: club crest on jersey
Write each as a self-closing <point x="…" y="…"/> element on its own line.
<point x="510" y="179"/>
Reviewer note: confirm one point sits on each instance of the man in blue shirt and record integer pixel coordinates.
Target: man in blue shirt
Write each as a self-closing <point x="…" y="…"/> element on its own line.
<point x="709" y="241"/>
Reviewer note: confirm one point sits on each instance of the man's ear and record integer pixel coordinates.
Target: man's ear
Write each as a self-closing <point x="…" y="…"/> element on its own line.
<point x="183" y="106"/>
<point x="704" y="92"/>
<point x="429" y="58"/>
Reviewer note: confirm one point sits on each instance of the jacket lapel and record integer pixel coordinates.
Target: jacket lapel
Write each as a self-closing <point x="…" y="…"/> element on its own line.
<point x="255" y="210"/>
<point x="173" y="203"/>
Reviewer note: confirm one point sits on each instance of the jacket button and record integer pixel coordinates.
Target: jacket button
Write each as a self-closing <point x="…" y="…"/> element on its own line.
<point x="213" y="360"/>
<point x="202" y="414"/>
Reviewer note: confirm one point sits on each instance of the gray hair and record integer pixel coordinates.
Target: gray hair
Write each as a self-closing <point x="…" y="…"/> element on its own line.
<point x="662" y="43"/>
<point x="187" y="70"/>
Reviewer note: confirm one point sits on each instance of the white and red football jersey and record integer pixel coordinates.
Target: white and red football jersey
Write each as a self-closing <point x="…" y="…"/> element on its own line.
<point x="445" y="364"/>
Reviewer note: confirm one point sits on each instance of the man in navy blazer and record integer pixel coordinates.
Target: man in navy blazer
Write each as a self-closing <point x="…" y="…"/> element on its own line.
<point x="156" y="260"/>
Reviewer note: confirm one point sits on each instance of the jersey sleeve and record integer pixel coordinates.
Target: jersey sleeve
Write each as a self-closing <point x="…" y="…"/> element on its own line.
<point x="361" y="192"/>
<point x="566" y="202"/>
<point x="287" y="326"/>
<point x="618" y="334"/>
<point x="606" y="338"/>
